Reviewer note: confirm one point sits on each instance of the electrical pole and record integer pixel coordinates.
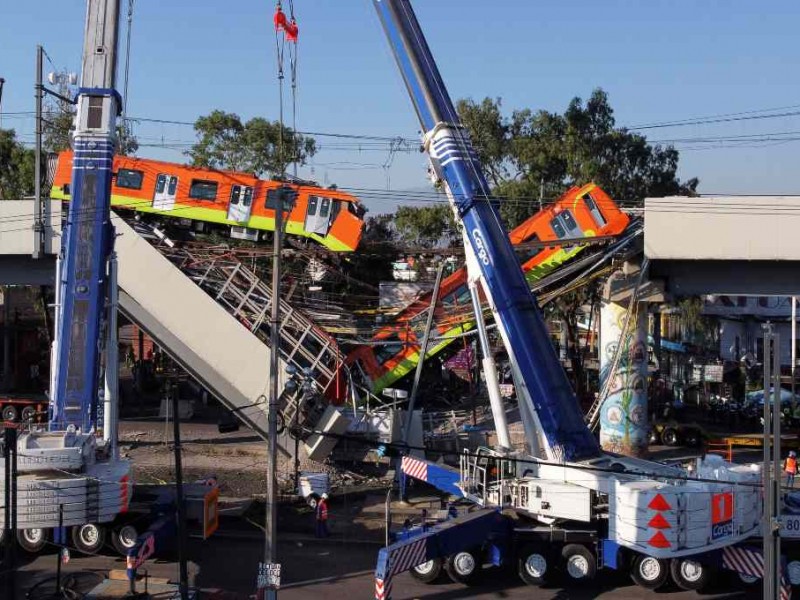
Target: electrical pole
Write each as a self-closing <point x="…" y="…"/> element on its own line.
<point x="2" y="83"/>
<point x="38" y="235"/>
<point x="271" y="528"/>
<point x="176" y="435"/>
<point x="794" y="351"/>
<point x="772" y="465"/>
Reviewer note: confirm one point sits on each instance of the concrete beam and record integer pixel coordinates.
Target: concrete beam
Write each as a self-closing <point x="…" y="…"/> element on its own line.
<point x="730" y="277"/>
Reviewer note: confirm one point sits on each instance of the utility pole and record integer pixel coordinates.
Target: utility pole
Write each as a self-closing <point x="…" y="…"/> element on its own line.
<point x="176" y="441"/>
<point x="271" y="528"/>
<point x="38" y="230"/>
<point x="794" y="351"/>
<point x="2" y="83"/>
<point x="772" y="464"/>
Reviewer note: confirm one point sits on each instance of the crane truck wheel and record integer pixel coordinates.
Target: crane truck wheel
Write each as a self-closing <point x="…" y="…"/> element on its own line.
<point x="648" y="572"/>
<point x="32" y="540"/>
<point x="28" y="414"/>
<point x="534" y="565"/>
<point x="689" y="574"/>
<point x="464" y="567"/>
<point x="89" y="538"/>
<point x="10" y="413"/>
<point x="124" y="538"/>
<point x="579" y="563"/>
<point x="670" y="437"/>
<point x="429" y="571"/>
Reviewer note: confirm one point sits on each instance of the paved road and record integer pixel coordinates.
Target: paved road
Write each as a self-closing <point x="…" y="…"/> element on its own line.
<point x="339" y="569"/>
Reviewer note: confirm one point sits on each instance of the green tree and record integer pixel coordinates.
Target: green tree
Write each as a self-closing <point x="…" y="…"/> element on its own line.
<point x="532" y="153"/>
<point x="426" y="226"/>
<point x="224" y="142"/>
<point x="16" y="167"/>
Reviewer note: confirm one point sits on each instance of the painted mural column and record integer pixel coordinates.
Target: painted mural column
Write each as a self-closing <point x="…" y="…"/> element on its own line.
<point x="623" y="417"/>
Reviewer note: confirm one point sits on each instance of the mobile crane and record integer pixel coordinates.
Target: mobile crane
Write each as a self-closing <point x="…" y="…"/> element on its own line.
<point x="67" y="475"/>
<point x="573" y="506"/>
<point x="70" y="478"/>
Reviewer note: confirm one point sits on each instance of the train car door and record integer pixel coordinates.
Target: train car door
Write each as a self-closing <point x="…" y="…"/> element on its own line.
<point x="241" y="203"/>
<point x="166" y="188"/>
<point x="318" y="215"/>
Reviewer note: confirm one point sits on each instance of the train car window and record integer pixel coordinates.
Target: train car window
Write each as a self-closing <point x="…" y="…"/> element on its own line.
<point x="569" y="220"/>
<point x="202" y="189"/>
<point x="161" y="183"/>
<point x="335" y="208"/>
<point x="388" y="350"/>
<point x="248" y="196"/>
<point x="312" y="206"/>
<point x="356" y="209"/>
<point x="325" y="207"/>
<point x="555" y="223"/>
<point x="594" y="210"/>
<point x="130" y="179"/>
<point x="235" y="194"/>
<point x="173" y="186"/>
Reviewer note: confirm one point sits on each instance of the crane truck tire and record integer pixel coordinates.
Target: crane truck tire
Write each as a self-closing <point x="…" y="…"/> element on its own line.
<point x="464" y="567"/>
<point x="670" y="437"/>
<point x="10" y="413"/>
<point x="689" y="574"/>
<point x="534" y="565"/>
<point x="578" y="563"/>
<point x="429" y="571"/>
<point x="28" y="414"/>
<point x="32" y="540"/>
<point x="648" y="572"/>
<point x="124" y="538"/>
<point x="89" y="538"/>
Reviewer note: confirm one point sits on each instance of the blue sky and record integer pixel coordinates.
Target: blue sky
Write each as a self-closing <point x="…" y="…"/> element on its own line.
<point x="659" y="60"/>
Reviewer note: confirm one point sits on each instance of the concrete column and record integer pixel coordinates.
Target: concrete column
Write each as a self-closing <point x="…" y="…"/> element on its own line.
<point x="623" y="416"/>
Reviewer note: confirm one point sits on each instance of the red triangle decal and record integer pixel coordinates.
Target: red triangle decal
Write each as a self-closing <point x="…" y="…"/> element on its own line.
<point x="658" y="503"/>
<point x="659" y="540"/>
<point x="659" y="522"/>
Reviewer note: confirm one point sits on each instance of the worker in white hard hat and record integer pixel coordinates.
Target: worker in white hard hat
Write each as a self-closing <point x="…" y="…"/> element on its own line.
<point x="321" y="513"/>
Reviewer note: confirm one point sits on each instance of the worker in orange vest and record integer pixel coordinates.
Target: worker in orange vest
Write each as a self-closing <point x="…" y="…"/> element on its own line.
<point x="790" y="468"/>
<point x="322" y="516"/>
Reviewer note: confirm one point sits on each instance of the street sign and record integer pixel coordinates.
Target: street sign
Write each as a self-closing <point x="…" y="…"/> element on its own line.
<point x="269" y="577"/>
<point x="790" y="526"/>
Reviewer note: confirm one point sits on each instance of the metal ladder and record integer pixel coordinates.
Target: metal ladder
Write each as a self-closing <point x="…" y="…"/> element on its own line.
<point x="249" y="299"/>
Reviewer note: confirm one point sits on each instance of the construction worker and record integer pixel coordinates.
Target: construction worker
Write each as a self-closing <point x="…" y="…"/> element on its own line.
<point x="790" y="468"/>
<point x="322" y="516"/>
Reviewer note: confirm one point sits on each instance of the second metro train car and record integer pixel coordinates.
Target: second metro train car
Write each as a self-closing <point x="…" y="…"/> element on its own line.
<point x="238" y="202"/>
<point x="581" y="212"/>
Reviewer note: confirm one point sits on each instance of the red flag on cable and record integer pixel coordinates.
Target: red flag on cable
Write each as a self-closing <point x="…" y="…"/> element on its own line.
<point x="282" y="23"/>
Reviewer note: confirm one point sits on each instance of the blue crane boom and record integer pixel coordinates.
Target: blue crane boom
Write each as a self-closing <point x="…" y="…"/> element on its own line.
<point x="89" y="235"/>
<point x="550" y="411"/>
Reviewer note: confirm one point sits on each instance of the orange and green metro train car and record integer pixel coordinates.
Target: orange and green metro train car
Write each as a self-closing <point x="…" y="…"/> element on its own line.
<point x="238" y="202"/>
<point x="582" y="212"/>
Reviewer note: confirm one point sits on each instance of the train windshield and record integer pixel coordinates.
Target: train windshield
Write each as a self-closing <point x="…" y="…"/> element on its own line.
<point x="357" y="209"/>
<point x="594" y="210"/>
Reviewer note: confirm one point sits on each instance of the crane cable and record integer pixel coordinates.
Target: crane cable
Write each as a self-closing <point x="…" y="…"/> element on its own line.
<point x="286" y="33"/>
